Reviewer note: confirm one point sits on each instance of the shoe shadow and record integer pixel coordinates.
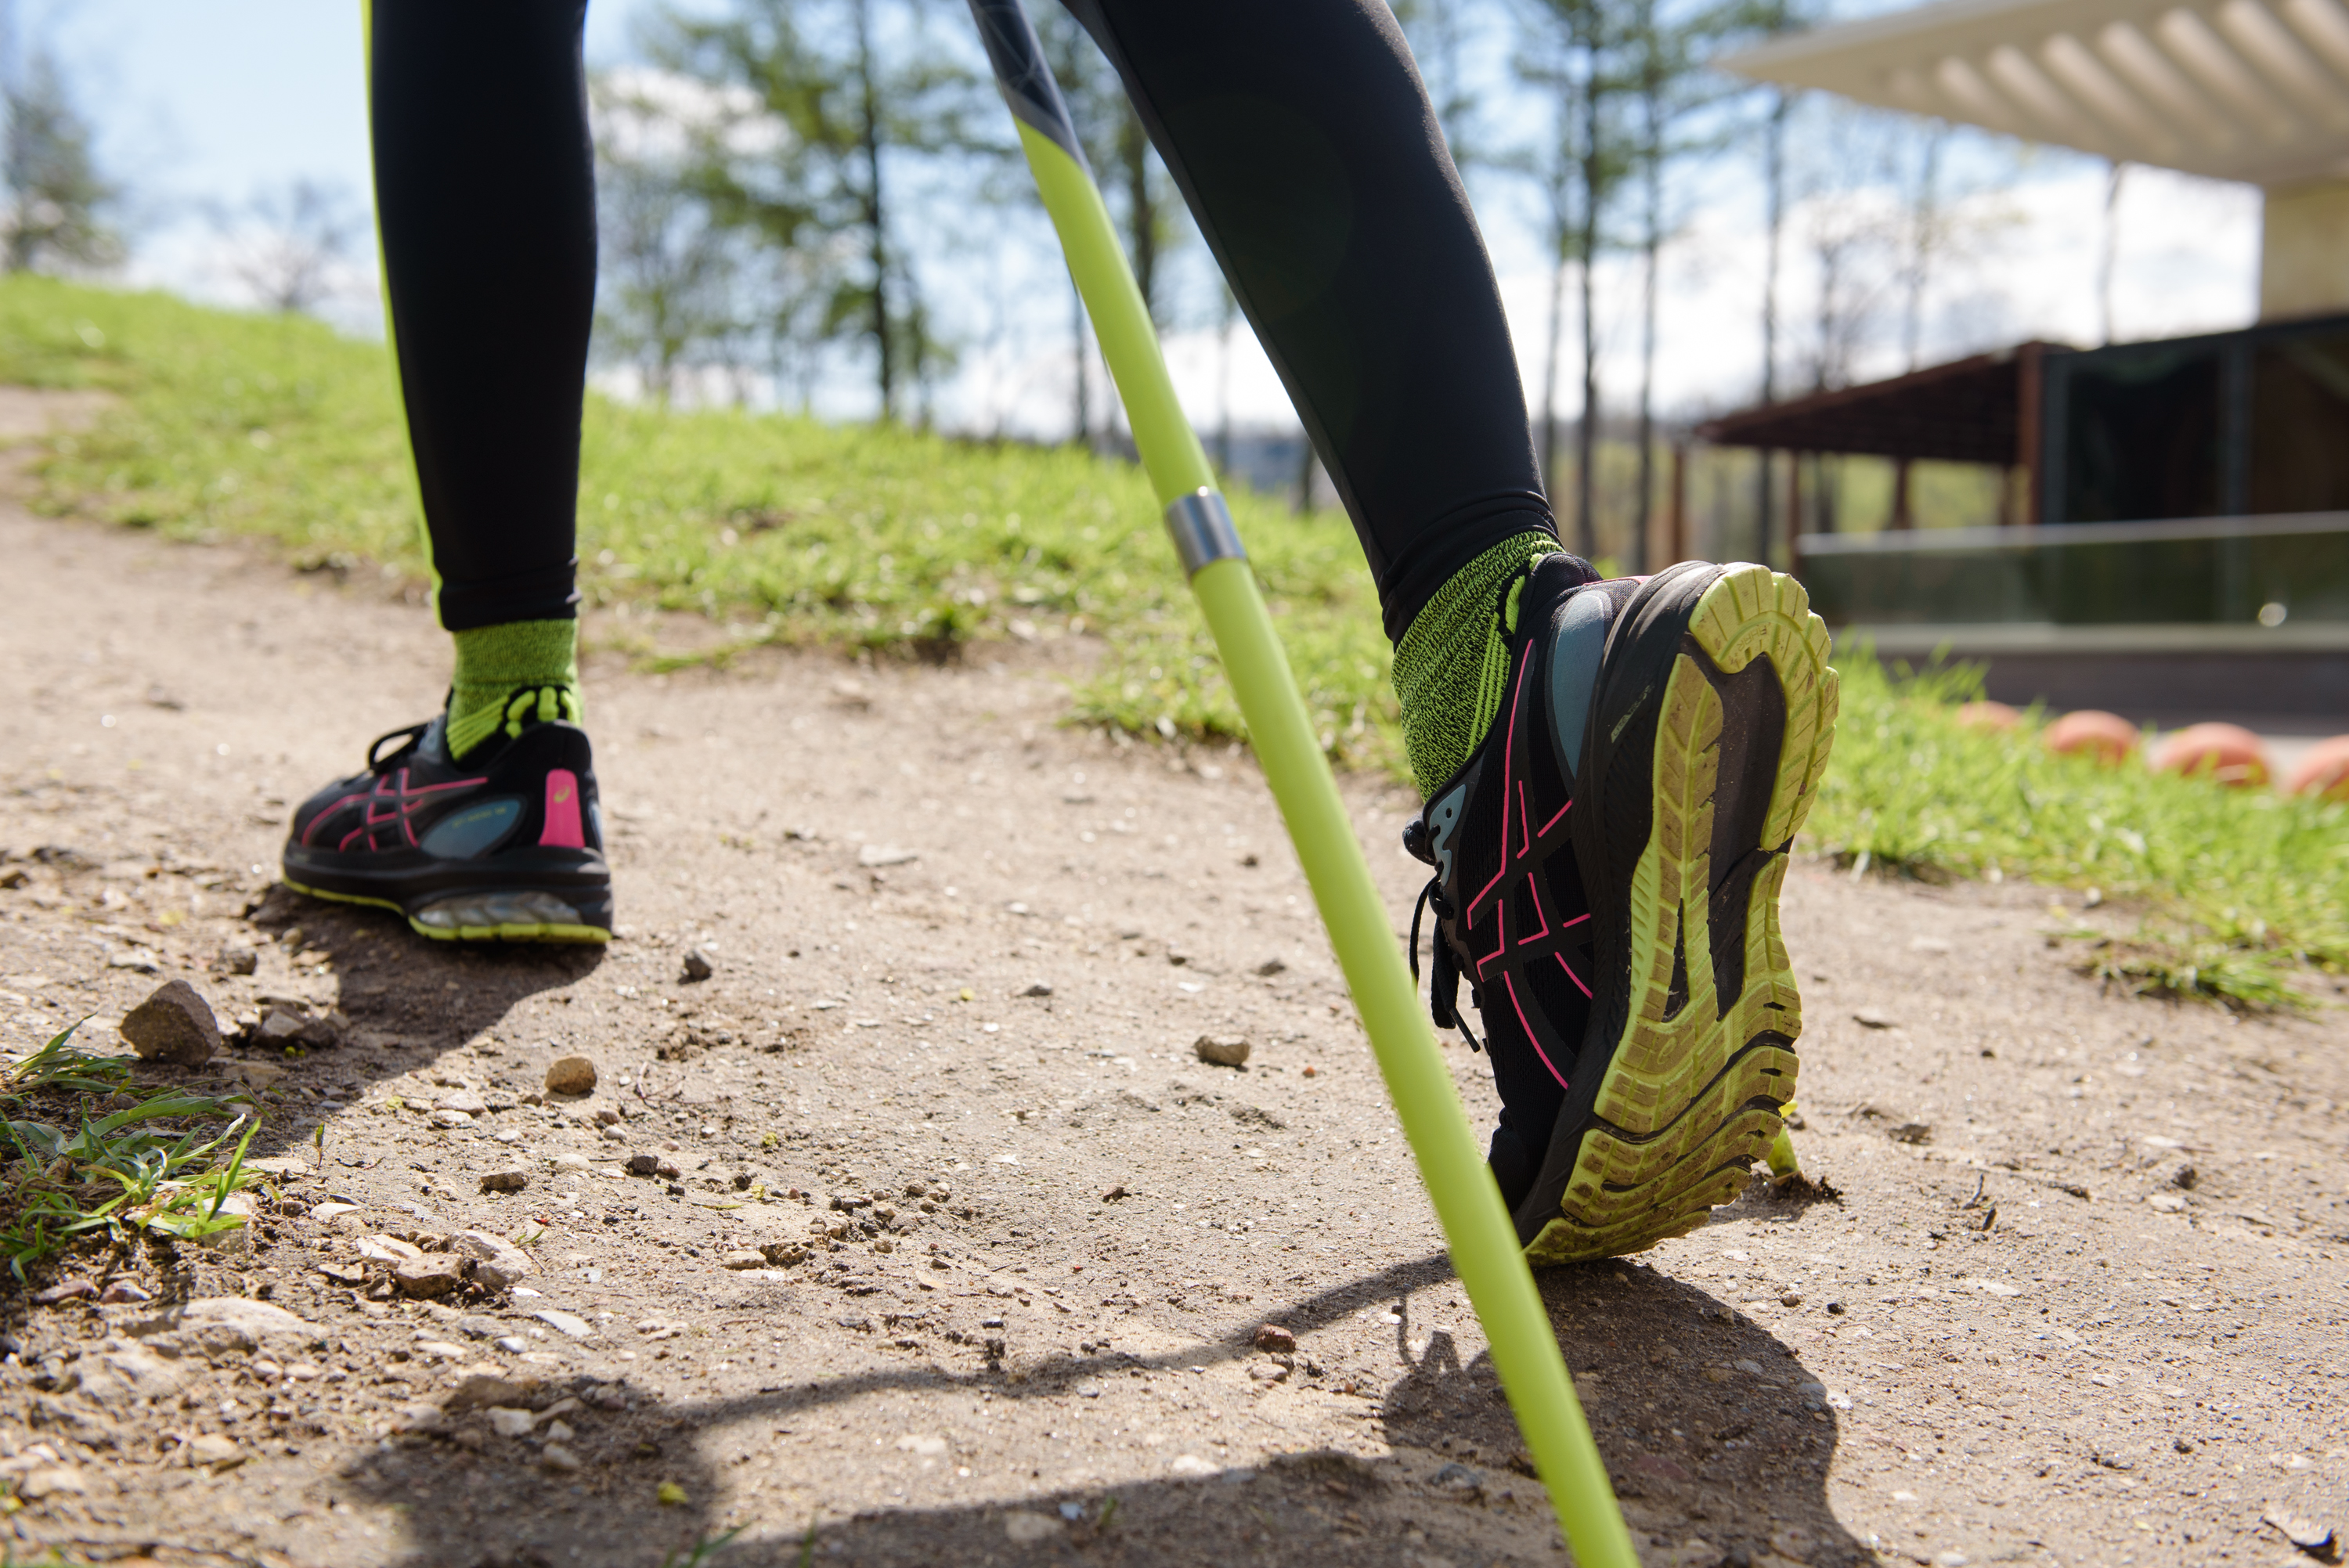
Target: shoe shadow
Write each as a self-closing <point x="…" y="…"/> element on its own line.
<point x="407" y="998"/>
<point x="1710" y="1468"/>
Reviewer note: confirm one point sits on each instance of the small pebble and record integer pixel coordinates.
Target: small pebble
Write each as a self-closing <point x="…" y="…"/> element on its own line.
<point x="744" y="1258"/>
<point x="615" y="1135"/>
<point x="1274" y="1338"/>
<point x="1039" y="989"/>
<point x="509" y="1181"/>
<point x="1222" y="1050"/>
<point x="1790" y="1298"/>
<point x="121" y="1291"/>
<point x="570" y="1075"/>
<point x="696" y="966"/>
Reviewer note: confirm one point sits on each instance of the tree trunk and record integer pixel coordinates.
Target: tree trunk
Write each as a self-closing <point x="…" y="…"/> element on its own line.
<point x="1549" y="374"/>
<point x="876" y="229"/>
<point x="1651" y="242"/>
<point x="1774" y="184"/>
<point x="1585" y="521"/>
<point x="1141" y="208"/>
<point x="1224" y="384"/>
<point x="1083" y="434"/>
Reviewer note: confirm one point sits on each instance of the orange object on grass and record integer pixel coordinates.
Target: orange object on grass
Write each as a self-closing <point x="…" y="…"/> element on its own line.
<point x="2323" y="770"/>
<point x="2226" y="753"/>
<point x="2106" y="737"/>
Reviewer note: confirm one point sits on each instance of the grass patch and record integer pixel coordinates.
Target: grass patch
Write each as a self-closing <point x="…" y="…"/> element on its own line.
<point x="2239" y="889"/>
<point x="153" y="1160"/>
<point x="780" y="530"/>
<point x="783" y="530"/>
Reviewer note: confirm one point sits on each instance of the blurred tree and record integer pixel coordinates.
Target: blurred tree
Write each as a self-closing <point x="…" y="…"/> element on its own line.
<point x="286" y="245"/>
<point x="57" y="197"/>
<point x="826" y="104"/>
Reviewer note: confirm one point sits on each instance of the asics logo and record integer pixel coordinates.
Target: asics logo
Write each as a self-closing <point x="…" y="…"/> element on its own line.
<point x="386" y="813"/>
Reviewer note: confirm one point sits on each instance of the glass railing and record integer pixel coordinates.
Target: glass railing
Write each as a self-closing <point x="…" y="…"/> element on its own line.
<point x="2236" y="570"/>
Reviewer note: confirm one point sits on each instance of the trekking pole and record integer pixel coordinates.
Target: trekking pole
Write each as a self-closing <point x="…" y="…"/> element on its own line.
<point x="1483" y="1243"/>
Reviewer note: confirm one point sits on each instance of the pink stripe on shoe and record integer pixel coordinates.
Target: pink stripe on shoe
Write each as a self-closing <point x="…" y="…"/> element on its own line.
<point x="562" y="831"/>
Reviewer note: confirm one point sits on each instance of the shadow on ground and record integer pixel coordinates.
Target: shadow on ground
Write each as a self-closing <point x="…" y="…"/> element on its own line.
<point x="410" y="1000"/>
<point x="1725" y="1465"/>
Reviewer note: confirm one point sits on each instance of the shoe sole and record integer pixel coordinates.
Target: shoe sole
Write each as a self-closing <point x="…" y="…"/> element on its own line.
<point x="506" y="933"/>
<point x="1694" y="1090"/>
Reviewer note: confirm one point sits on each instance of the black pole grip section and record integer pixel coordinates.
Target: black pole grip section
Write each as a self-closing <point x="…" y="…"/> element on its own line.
<point x="1018" y="57"/>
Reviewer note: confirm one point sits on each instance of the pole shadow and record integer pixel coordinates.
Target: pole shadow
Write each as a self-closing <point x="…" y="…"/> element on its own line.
<point x="1717" y="1437"/>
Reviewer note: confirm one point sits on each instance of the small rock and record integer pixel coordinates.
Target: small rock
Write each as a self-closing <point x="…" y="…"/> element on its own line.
<point x="614" y="1135"/>
<point x="122" y="1291"/>
<point x="1114" y="1194"/>
<point x="447" y="1120"/>
<point x="565" y="1322"/>
<point x="872" y="856"/>
<point x="644" y="1164"/>
<point x="558" y="1459"/>
<point x="47" y="1480"/>
<point x="512" y="1344"/>
<point x="1270" y="967"/>
<point x="782" y="1255"/>
<point x="1875" y="1019"/>
<point x="1458" y="1479"/>
<point x="173" y="1025"/>
<point x="1037" y="988"/>
<point x="570" y="1075"/>
<point x="433" y="1274"/>
<point x="1190" y="1466"/>
<point x="65" y="1290"/>
<point x="2166" y="1202"/>
<point x="744" y="1258"/>
<point x="1222" y="1050"/>
<point x="498" y="1263"/>
<point x="1790" y="1298"/>
<point x="669" y="1169"/>
<point x="2311" y="1537"/>
<point x="1026" y="1529"/>
<point x="505" y="1181"/>
<point x="696" y="965"/>
<point x="1274" y="1338"/>
<point x="462" y="1100"/>
<point x="215" y="1451"/>
<point x="1912" y="1132"/>
<point x="510" y="1423"/>
<point x="236" y="958"/>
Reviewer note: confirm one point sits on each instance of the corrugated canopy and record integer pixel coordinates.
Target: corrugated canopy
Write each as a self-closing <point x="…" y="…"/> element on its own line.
<point x="2237" y="89"/>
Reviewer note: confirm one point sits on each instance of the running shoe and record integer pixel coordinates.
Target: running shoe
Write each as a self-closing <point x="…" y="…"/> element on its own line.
<point x="1608" y="865"/>
<point x="506" y="846"/>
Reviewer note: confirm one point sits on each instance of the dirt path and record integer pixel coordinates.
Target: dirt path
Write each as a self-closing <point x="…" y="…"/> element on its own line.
<point x="2021" y="1334"/>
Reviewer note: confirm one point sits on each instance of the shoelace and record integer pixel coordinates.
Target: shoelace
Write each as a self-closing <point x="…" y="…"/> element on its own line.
<point x="1443" y="968"/>
<point x="545" y="704"/>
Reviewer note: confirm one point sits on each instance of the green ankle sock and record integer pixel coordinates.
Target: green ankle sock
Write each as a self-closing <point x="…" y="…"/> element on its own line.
<point x="510" y="675"/>
<point x="1450" y="665"/>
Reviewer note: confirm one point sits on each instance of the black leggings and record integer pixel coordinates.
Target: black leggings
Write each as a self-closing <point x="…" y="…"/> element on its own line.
<point x="1298" y="131"/>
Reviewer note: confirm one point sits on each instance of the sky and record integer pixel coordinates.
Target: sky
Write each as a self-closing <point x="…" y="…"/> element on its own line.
<point x="201" y="103"/>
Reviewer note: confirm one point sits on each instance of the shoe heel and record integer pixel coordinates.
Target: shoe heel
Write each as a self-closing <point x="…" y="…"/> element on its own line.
<point x="1693" y="1096"/>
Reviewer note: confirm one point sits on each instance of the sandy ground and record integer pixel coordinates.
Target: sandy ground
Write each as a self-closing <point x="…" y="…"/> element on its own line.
<point x="2079" y="1301"/>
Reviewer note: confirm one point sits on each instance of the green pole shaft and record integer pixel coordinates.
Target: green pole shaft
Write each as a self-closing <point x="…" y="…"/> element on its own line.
<point x="1483" y="1242"/>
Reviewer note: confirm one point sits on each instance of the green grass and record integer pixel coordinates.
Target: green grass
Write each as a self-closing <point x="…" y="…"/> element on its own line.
<point x="786" y="531"/>
<point x="155" y="1163"/>
<point x="778" y="529"/>
<point x="2237" y="888"/>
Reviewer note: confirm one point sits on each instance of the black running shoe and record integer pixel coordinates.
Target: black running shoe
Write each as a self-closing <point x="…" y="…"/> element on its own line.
<point x="506" y="846"/>
<point x="1607" y="874"/>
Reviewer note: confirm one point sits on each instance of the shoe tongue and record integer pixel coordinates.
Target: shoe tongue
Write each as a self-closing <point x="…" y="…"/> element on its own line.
<point x="1574" y="653"/>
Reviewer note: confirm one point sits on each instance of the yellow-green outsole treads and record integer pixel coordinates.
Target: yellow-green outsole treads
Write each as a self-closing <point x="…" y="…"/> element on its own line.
<point x="1695" y="1093"/>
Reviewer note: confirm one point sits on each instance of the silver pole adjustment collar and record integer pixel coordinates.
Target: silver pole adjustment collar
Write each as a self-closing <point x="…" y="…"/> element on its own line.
<point x="1202" y="527"/>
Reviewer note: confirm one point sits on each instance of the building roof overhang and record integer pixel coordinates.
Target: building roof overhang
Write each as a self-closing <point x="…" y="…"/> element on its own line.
<point x="1967" y="411"/>
<point x="2235" y="89"/>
